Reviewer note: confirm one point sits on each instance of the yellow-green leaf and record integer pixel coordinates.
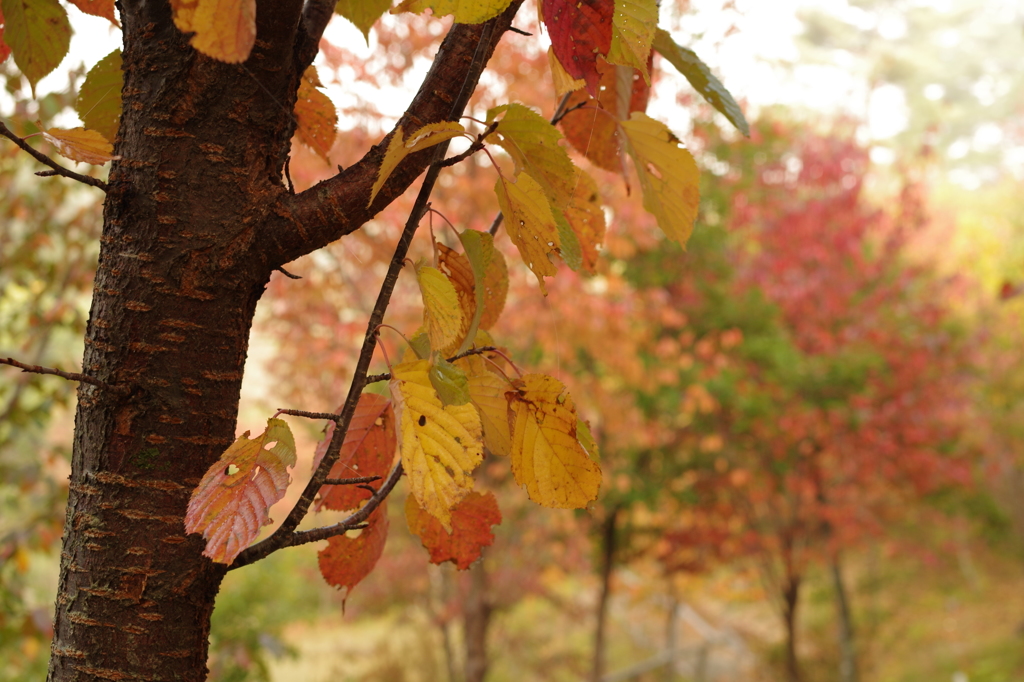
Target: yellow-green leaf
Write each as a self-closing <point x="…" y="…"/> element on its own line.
<point x="547" y="458"/>
<point x="399" y="147"/>
<point x="224" y="29"/>
<point x="38" y="33"/>
<point x="529" y="223"/>
<point x="668" y="175"/>
<point x="363" y="13"/>
<point x="99" y="100"/>
<point x="442" y="314"/>
<point x="79" y="144"/>
<point x="465" y="11"/>
<point x="632" y="34"/>
<point x="233" y="500"/>
<point x="440" y="444"/>
<point x="450" y="382"/>
<point x="586" y="217"/>
<point x="317" y="118"/>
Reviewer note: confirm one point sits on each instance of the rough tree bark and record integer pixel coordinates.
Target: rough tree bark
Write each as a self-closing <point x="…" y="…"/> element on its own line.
<point x="609" y="530"/>
<point x="195" y="221"/>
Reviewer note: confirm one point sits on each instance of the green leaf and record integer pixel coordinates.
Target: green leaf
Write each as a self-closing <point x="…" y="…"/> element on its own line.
<point x="363" y="13"/>
<point x="450" y="382"/>
<point x="632" y="33"/>
<point x="38" y="33"/>
<point x="465" y="11"/>
<point x="701" y="78"/>
<point x="99" y="100"/>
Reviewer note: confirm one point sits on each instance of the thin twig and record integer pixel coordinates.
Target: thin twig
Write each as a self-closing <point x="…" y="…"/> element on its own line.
<point x="71" y="376"/>
<point x="287" y="274"/>
<point x="519" y="31"/>
<point x="311" y="415"/>
<point x="352" y="481"/>
<point x="46" y="160"/>
<point x="386" y="376"/>
<point x="477" y="145"/>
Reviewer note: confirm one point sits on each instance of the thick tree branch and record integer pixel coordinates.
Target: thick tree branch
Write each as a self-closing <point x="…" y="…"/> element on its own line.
<point x="71" y="376"/>
<point x="296" y="225"/>
<point x="315" y="16"/>
<point x="46" y="160"/>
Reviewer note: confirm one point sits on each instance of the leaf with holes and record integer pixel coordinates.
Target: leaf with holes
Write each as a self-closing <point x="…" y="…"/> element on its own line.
<point x="440" y="444"/>
<point x="399" y="147"/>
<point x="224" y="29"/>
<point x="368" y="450"/>
<point x="38" y="34"/>
<point x="346" y="561"/>
<point x="99" y="100"/>
<point x="363" y="13"/>
<point x="581" y="31"/>
<point x="668" y="175"/>
<point x="529" y="223"/>
<point x="317" y="118"/>
<point x="632" y="34"/>
<point x="547" y="458"/>
<point x="471" y="529"/>
<point x="465" y="11"/>
<point x="442" y="314"/>
<point x="97" y="8"/>
<point x="233" y="500"/>
<point x="79" y="144"/>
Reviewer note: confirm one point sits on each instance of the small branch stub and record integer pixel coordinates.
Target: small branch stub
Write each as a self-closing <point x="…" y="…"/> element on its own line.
<point x="70" y="376"/>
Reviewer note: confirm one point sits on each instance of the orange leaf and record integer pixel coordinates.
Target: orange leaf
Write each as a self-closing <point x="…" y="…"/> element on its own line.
<point x="471" y="529"/>
<point x="368" y="450"/>
<point x="317" y="118"/>
<point x="79" y="144"/>
<point x="224" y="29"/>
<point x="346" y="561"/>
<point x="97" y="8"/>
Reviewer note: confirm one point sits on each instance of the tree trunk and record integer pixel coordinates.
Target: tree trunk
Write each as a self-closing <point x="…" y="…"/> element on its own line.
<point x="478" y="611"/>
<point x="847" y="643"/>
<point x="608" y="536"/>
<point x="791" y="600"/>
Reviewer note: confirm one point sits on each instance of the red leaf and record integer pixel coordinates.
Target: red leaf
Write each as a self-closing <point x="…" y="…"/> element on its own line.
<point x="346" y="561"/>
<point x="471" y="529"/>
<point x="98" y="8"/>
<point x="5" y="51"/>
<point x="368" y="450"/>
<point x="580" y="31"/>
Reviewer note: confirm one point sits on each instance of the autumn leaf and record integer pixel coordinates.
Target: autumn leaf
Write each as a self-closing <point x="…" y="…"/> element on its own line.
<point x="586" y="218"/>
<point x="547" y="458"/>
<point x="701" y="78"/>
<point x="399" y="148"/>
<point x="233" y="500"/>
<point x="440" y="444"/>
<point x="459" y="271"/>
<point x="79" y="144"/>
<point x="450" y="382"/>
<point x="668" y="175"/>
<point x="99" y="99"/>
<point x="363" y="13"/>
<point x="581" y="31"/>
<point x="368" y="450"/>
<point x="471" y="529"/>
<point x="97" y="8"/>
<point x="561" y="79"/>
<point x="347" y="560"/>
<point x="38" y="34"/>
<point x="465" y="11"/>
<point x="5" y="50"/>
<point x="495" y="290"/>
<point x="224" y="29"/>
<point x="316" y="116"/>
<point x="487" y="391"/>
<point x="442" y="314"/>
<point x="529" y="223"/>
<point x="632" y="34"/>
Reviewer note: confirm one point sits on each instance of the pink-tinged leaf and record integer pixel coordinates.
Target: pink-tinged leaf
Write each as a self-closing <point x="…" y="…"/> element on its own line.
<point x="346" y="561"/>
<point x="471" y="529"/>
<point x="233" y="500"/>
<point x="5" y="51"/>
<point x="580" y="30"/>
<point x="368" y="450"/>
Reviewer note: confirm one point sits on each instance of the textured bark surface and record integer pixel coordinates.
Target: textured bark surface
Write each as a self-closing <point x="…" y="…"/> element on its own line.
<point x="195" y="221"/>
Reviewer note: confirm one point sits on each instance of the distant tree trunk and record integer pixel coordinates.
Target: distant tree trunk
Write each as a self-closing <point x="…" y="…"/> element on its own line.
<point x="791" y="600"/>
<point x="608" y="536"/>
<point x="847" y="642"/>
<point x="478" y="611"/>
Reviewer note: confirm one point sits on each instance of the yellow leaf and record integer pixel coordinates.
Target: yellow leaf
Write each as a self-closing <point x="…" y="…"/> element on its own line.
<point x="487" y="391"/>
<point x="668" y="175"/>
<point x="586" y="217"/>
<point x="399" y="148"/>
<point x="440" y="444"/>
<point x="233" y="500"/>
<point x="363" y="13"/>
<point x="562" y="80"/>
<point x="442" y="314"/>
<point x="529" y="223"/>
<point x="495" y="290"/>
<point x="79" y="144"/>
<point x="547" y="458"/>
<point x="224" y="29"/>
<point x="465" y="11"/>
<point x="459" y="271"/>
<point x="632" y="34"/>
<point x="316" y="116"/>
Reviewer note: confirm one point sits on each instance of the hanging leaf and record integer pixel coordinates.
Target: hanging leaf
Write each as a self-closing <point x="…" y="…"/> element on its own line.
<point x="632" y="34"/>
<point x="586" y="217"/>
<point x="471" y="529"/>
<point x="495" y="290"/>
<point x="459" y="272"/>
<point x="97" y="8"/>
<point x="5" y="50"/>
<point x="347" y="560"/>
<point x="547" y="458"/>
<point x="487" y="391"/>
<point x="368" y="450"/>
<point x="440" y="444"/>
<point x="399" y="148"/>
<point x="442" y="315"/>
<point x="224" y="29"/>
<point x="79" y="144"/>
<point x="450" y="382"/>
<point x="317" y="118"/>
<point x="99" y="100"/>
<point x="38" y="34"/>
<point x="465" y="11"/>
<point x="581" y="31"/>
<point x="233" y="500"/>
<point x="701" y="78"/>
<point x="529" y="223"/>
<point x="668" y="175"/>
<point x="363" y="13"/>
